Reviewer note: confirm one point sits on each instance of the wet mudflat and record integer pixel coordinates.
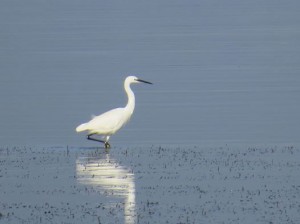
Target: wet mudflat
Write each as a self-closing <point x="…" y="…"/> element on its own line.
<point x="150" y="184"/>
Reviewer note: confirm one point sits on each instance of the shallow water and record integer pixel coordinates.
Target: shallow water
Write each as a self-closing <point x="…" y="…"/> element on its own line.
<point x="150" y="185"/>
<point x="214" y="140"/>
<point x="223" y="73"/>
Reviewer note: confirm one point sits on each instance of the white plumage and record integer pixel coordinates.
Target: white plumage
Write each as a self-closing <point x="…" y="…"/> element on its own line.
<point x="107" y="123"/>
<point x="111" y="121"/>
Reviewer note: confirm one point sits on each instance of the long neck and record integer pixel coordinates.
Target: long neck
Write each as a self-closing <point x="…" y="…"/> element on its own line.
<point x="131" y="99"/>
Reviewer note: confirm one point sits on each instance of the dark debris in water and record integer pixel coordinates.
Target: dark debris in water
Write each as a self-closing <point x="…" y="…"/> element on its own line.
<point x="171" y="185"/>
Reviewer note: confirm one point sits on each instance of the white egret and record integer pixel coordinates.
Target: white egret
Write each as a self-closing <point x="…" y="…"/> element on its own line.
<point x="110" y="122"/>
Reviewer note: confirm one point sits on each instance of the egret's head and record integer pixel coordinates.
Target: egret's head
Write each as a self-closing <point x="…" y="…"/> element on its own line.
<point x="134" y="79"/>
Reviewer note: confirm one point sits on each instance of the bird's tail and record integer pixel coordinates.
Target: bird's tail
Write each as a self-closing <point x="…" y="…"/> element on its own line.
<point x="82" y="127"/>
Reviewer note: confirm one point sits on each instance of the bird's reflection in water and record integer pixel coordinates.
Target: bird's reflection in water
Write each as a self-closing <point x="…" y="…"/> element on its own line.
<point x="103" y="172"/>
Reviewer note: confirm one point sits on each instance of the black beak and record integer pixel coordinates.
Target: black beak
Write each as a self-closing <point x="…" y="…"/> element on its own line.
<point x="140" y="80"/>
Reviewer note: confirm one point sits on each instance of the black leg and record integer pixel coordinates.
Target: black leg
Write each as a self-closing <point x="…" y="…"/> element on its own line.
<point x="107" y="145"/>
<point x="94" y="139"/>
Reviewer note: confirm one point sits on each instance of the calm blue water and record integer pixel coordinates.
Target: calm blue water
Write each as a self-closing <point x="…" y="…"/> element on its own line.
<point x="223" y="73"/>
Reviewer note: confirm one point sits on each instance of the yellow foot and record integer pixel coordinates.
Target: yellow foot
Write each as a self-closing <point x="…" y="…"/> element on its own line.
<point x="107" y="145"/>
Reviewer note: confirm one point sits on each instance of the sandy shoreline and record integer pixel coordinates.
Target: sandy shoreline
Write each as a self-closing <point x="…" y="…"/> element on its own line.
<point x="150" y="185"/>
